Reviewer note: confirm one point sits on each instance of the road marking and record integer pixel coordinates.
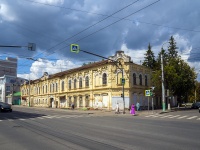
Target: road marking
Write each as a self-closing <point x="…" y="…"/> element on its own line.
<point x="10" y="120"/>
<point x="198" y="119"/>
<point x="182" y="117"/>
<point x="166" y="116"/>
<point x="192" y="117"/>
<point x="149" y="116"/>
<point x="40" y="117"/>
<point x="1" y="120"/>
<point x="174" y="116"/>
<point x="22" y="119"/>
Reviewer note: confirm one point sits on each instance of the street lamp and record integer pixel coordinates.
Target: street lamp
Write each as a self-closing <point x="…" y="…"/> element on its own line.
<point x="163" y="87"/>
<point x="31" y="46"/>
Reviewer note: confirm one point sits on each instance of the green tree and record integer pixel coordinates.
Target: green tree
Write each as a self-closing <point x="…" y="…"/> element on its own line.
<point x="149" y="59"/>
<point x="172" y="49"/>
<point x="179" y="76"/>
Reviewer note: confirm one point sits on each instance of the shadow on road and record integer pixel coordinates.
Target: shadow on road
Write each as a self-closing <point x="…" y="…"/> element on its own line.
<point x="19" y="115"/>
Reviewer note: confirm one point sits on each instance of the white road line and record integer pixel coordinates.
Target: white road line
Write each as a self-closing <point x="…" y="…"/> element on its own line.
<point x="174" y="116"/>
<point x="10" y="120"/>
<point x="32" y="118"/>
<point x="149" y="116"/>
<point x="182" y="117"/>
<point x="192" y="117"/>
<point x="40" y="117"/>
<point x="198" y="119"/>
<point x="22" y="119"/>
<point x="166" y="116"/>
<point x="1" y="120"/>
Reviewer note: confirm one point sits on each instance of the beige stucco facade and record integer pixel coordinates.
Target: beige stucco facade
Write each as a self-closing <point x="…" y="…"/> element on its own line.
<point x="96" y="85"/>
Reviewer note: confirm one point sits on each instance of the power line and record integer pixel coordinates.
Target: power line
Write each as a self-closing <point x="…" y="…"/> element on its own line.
<point x="113" y="22"/>
<point x="90" y="26"/>
<point x="110" y="24"/>
<point x="142" y="22"/>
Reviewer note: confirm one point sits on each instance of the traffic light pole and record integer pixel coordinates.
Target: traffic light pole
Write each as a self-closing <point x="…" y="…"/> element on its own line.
<point x="123" y="91"/>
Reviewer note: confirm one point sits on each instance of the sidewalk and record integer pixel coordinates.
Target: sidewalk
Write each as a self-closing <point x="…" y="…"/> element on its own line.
<point x="103" y="112"/>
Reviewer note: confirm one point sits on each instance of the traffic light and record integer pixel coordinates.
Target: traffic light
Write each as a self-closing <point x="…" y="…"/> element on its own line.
<point x="122" y="81"/>
<point x="152" y="91"/>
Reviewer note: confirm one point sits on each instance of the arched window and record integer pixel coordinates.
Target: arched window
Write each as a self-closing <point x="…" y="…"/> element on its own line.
<point x="46" y="88"/>
<point x="80" y="82"/>
<point x="87" y="81"/>
<point x="104" y="79"/>
<point x="119" y="78"/>
<point x="43" y="89"/>
<point x="70" y="84"/>
<point x="63" y="86"/>
<point x="146" y="80"/>
<point x="53" y="87"/>
<point x="134" y="79"/>
<point x="74" y="83"/>
<point x="140" y="78"/>
<point x="56" y="87"/>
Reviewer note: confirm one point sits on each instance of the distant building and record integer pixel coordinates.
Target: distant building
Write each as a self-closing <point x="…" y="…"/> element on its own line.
<point x="9" y="82"/>
<point x="97" y="85"/>
<point x="8" y="86"/>
<point x="8" y="67"/>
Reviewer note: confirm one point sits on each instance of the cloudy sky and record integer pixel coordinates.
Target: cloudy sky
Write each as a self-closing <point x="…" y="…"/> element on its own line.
<point x="98" y="26"/>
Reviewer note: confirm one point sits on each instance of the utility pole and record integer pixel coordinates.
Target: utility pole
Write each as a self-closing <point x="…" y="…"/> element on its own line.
<point x="29" y="93"/>
<point x="163" y="87"/>
<point x="123" y="91"/>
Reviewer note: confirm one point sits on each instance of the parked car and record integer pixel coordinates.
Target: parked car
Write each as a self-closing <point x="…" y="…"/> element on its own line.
<point x="195" y="105"/>
<point x="5" y="107"/>
<point x="199" y="109"/>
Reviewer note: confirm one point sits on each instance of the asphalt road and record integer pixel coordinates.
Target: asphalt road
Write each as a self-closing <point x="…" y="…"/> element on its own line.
<point x="32" y="128"/>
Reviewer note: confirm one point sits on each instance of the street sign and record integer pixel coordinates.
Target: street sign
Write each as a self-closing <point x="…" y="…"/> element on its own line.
<point x="74" y="48"/>
<point x="122" y="81"/>
<point x="147" y="93"/>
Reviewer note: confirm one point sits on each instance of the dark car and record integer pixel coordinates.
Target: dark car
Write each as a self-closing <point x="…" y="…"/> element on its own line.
<point x="196" y="105"/>
<point x="5" y="107"/>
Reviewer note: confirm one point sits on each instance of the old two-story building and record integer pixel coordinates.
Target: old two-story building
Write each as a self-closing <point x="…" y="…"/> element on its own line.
<point x="96" y="85"/>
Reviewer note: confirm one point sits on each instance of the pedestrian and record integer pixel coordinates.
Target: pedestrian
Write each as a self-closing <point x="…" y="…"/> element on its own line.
<point x="72" y="105"/>
<point x="138" y="106"/>
<point x="132" y="109"/>
<point x="117" y="109"/>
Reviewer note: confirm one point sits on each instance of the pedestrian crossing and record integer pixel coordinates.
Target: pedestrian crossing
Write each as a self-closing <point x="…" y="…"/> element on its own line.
<point x="47" y="117"/>
<point x="179" y="117"/>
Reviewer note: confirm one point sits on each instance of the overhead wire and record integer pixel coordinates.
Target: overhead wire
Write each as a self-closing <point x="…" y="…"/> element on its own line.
<point x="90" y="26"/>
<point x="111" y="23"/>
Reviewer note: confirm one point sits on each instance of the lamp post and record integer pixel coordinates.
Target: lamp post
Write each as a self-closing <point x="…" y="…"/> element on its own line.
<point x="31" y="46"/>
<point x="163" y="87"/>
<point x="195" y="94"/>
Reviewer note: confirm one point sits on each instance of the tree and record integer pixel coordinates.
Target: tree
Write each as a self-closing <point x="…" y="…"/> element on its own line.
<point x="172" y="49"/>
<point x="149" y="59"/>
<point x="179" y="76"/>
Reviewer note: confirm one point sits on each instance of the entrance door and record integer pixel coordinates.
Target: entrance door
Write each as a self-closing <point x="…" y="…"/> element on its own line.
<point x="51" y="102"/>
<point x="105" y="101"/>
<point x="56" y="104"/>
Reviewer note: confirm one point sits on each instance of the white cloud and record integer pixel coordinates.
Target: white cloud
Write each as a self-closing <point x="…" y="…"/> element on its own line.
<point x="137" y="56"/>
<point x="39" y="67"/>
<point x="6" y="13"/>
<point x="51" y="1"/>
<point x="184" y="46"/>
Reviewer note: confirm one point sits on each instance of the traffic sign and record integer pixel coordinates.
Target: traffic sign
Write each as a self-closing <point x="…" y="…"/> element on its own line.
<point x="147" y="93"/>
<point x="74" y="48"/>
